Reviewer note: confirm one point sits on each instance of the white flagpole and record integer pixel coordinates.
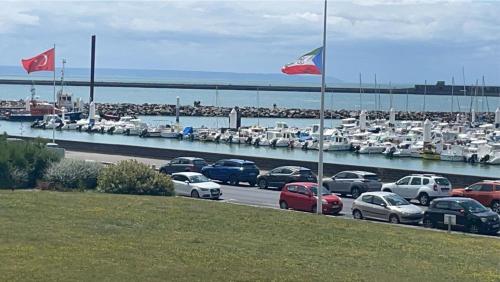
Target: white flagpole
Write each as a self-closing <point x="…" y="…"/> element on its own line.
<point x="55" y="102"/>
<point x="319" y="205"/>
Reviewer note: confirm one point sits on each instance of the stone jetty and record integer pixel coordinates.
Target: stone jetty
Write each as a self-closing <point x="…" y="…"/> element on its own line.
<point x="198" y="110"/>
<point x="122" y="109"/>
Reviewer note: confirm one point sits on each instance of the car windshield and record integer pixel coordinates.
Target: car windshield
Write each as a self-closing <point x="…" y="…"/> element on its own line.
<point x="324" y="191"/>
<point x="442" y="181"/>
<point x="198" y="179"/>
<point x="473" y="206"/>
<point x="396" y="200"/>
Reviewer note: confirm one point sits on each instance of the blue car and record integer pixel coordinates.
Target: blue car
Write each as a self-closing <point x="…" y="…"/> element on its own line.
<point x="233" y="171"/>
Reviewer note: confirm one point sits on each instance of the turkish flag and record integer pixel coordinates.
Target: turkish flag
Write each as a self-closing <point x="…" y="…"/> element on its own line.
<point x="42" y="62"/>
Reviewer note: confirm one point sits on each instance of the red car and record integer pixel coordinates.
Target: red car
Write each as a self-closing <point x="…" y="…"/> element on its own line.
<point x="486" y="192"/>
<point x="302" y="196"/>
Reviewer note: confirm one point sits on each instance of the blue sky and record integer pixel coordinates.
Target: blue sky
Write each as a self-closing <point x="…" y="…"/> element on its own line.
<point x="401" y="41"/>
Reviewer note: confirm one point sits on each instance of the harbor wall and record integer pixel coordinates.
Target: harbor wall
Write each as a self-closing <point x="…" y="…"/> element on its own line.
<point x="438" y="89"/>
<point x="386" y="174"/>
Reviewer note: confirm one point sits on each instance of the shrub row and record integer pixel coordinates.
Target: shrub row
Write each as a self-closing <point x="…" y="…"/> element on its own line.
<point x="22" y="163"/>
<point x="126" y="177"/>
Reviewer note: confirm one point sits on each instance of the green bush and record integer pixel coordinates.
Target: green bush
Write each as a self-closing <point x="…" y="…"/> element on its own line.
<point x="22" y="163"/>
<point x="132" y="177"/>
<point x="73" y="174"/>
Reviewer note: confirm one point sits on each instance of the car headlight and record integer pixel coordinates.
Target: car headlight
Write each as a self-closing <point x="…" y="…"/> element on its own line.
<point x="484" y="219"/>
<point x="204" y="189"/>
<point x="324" y="201"/>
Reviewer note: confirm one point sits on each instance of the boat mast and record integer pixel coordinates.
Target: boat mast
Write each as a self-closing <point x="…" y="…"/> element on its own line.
<point x="425" y="94"/>
<point x="452" y="88"/>
<point x="62" y="75"/>
<point x="465" y="88"/>
<point x="360" y="93"/>
<point x="375" y="93"/>
<point x="485" y="97"/>
<point x="390" y="94"/>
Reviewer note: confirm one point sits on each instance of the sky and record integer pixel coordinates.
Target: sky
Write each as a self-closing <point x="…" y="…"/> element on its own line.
<point x="401" y="41"/>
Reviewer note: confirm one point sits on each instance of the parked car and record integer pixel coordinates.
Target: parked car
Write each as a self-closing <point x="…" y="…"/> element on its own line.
<point x="195" y="185"/>
<point x="233" y="171"/>
<point x="469" y="215"/>
<point x="282" y="175"/>
<point x="303" y="196"/>
<point x="386" y="206"/>
<point x="353" y="183"/>
<point x="183" y="164"/>
<point x="486" y="192"/>
<point x="423" y="187"/>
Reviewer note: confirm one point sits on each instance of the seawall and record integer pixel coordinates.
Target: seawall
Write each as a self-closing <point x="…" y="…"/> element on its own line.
<point x="438" y="89"/>
<point x="386" y="174"/>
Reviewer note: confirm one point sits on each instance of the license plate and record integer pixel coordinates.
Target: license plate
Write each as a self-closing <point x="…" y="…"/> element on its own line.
<point x="253" y="173"/>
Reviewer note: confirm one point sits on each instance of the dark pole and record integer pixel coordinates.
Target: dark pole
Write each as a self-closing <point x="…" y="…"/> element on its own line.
<point x="92" y="67"/>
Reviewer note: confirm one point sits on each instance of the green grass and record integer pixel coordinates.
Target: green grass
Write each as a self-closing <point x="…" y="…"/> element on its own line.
<point x="54" y="236"/>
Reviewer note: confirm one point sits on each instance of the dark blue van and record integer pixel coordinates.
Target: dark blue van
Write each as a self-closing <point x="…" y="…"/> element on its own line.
<point x="233" y="171"/>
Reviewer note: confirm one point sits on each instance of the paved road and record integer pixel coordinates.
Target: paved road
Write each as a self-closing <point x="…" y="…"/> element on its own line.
<point x="242" y="194"/>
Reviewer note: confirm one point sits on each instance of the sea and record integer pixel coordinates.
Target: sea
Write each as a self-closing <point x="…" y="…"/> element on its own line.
<point x="231" y="98"/>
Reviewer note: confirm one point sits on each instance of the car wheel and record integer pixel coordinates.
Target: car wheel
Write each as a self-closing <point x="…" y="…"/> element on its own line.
<point x="357" y="214"/>
<point x="387" y="190"/>
<point x="262" y="184"/>
<point x="314" y="209"/>
<point x="394" y="219"/>
<point x="195" y="194"/>
<point x="233" y="180"/>
<point x="495" y="206"/>
<point x="423" y="198"/>
<point x="428" y="223"/>
<point x="473" y="228"/>
<point x="355" y="192"/>
<point x="283" y="205"/>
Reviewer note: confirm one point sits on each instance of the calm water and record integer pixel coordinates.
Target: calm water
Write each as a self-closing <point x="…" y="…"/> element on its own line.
<point x="294" y="154"/>
<point x="241" y="98"/>
<point x="230" y="98"/>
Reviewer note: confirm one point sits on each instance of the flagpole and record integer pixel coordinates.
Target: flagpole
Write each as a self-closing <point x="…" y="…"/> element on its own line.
<point x="319" y="205"/>
<point x="54" y="109"/>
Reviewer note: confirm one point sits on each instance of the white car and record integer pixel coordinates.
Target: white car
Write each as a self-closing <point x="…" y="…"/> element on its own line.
<point x="195" y="185"/>
<point x="423" y="187"/>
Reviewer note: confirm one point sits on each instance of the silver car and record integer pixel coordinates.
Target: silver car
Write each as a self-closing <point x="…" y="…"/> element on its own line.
<point x="386" y="206"/>
<point x="353" y="183"/>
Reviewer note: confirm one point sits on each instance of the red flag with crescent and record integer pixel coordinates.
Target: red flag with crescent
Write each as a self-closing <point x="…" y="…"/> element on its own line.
<point x="42" y="62"/>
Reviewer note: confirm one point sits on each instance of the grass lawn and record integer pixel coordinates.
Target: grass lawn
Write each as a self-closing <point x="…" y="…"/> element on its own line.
<point x="55" y="236"/>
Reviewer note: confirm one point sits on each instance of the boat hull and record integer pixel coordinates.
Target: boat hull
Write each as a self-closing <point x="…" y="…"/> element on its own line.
<point x="73" y="116"/>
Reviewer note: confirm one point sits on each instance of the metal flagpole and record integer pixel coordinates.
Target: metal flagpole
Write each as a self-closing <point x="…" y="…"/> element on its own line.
<point x="319" y="206"/>
<point x="55" y="102"/>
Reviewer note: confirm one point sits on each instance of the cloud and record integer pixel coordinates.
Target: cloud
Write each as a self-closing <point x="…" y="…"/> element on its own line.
<point x="14" y="16"/>
<point x="255" y="36"/>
